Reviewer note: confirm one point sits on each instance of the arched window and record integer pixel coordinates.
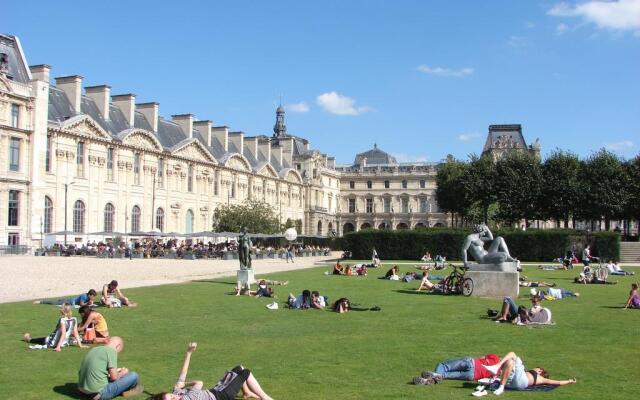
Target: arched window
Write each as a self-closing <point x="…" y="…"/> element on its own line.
<point x="188" y="222"/>
<point x="78" y="216"/>
<point x="135" y="219"/>
<point x="160" y="219"/>
<point x="109" y="211"/>
<point x="48" y="215"/>
<point x="319" y="228"/>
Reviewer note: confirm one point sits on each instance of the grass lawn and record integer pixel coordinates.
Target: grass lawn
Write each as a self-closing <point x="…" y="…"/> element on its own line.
<point x="323" y="355"/>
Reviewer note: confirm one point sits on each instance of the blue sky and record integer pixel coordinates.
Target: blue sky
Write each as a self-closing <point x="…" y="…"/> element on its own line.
<point x="420" y="78"/>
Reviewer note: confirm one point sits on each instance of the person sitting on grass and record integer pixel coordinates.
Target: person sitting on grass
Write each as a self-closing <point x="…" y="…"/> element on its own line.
<point x="614" y="269"/>
<point x="338" y="269"/>
<point x="318" y="302"/>
<point x="302" y="301"/>
<point x="342" y="305"/>
<point x="234" y="381"/>
<point x="426" y="284"/>
<point x="393" y="273"/>
<point x="634" y="297"/>
<point x="113" y="297"/>
<point x="84" y="298"/>
<point x="99" y="377"/>
<point x="67" y="325"/>
<point x="463" y="369"/>
<point x="263" y="289"/>
<point x="93" y="325"/>
<point x="515" y="377"/>
<point x="510" y="311"/>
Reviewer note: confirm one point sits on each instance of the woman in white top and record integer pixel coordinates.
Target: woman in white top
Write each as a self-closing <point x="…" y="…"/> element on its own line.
<point x="67" y="325"/>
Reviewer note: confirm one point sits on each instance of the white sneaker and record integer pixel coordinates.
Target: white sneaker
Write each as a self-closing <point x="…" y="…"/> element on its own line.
<point x="479" y="393"/>
<point x="499" y="391"/>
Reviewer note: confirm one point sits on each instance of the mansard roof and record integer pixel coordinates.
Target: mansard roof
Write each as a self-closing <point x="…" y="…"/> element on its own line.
<point x="17" y="69"/>
<point x="504" y="136"/>
<point x="375" y="156"/>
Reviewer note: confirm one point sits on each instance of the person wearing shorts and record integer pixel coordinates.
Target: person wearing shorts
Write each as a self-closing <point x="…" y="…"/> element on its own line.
<point x="234" y="381"/>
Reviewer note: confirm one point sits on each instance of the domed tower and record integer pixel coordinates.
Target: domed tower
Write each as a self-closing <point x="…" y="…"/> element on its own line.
<point x="279" y="129"/>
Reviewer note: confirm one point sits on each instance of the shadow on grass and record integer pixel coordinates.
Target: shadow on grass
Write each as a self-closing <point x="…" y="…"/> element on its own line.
<point x="215" y="281"/>
<point x="70" y="390"/>
<point x="410" y="291"/>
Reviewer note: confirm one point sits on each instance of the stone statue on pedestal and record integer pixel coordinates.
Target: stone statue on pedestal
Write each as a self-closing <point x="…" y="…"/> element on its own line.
<point x="474" y="244"/>
<point x="244" y="250"/>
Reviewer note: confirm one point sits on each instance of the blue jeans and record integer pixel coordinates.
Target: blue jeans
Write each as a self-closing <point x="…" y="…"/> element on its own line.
<point x="513" y="308"/>
<point x="115" y="388"/>
<point x="458" y="368"/>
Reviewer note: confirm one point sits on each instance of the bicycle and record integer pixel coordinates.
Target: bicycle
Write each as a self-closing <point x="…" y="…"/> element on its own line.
<point x="457" y="283"/>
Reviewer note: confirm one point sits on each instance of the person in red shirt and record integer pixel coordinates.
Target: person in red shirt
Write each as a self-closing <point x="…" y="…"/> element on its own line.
<point x="464" y="369"/>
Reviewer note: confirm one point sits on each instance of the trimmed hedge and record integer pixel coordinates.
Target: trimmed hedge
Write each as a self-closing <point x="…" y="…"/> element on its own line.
<point x="532" y="245"/>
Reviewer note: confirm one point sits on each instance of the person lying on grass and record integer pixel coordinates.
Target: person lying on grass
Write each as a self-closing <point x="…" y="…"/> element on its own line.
<point x="84" y="298"/>
<point x="536" y="284"/>
<point x="113" y="297"/>
<point x="302" y="301"/>
<point x="67" y="325"/>
<point x="463" y="369"/>
<point x="234" y="381"/>
<point x="614" y="269"/>
<point x="318" y="302"/>
<point x="634" y="297"/>
<point x="554" y="293"/>
<point x="93" y="325"/>
<point x="515" y="377"/>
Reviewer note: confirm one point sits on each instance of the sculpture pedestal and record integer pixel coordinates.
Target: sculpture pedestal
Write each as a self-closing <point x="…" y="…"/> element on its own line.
<point x="501" y="267"/>
<point x="245" y="278"/>
<point x="494" y="283"/>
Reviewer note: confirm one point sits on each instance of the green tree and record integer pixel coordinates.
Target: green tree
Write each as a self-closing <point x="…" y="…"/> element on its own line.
<point x="518" y="181"/>
<point x="604" y="188"/>
<point x="632" y="205"/>
<point x="449" y="188"/>
<point x="560" y="189"/>
<point x="256" y="216"/>
<point x="479" y="186"/>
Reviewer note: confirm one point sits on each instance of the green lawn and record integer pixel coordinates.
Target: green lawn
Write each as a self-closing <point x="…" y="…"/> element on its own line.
<point x="323" y="355"/>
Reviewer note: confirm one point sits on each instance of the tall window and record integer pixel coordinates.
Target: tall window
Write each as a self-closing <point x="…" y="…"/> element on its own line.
<point x="386" y="184"/>
<point x="110" y="164"/>
<point x="48" y="215"/>
<point x="387" y="204"/>
<point x="136" y="169"/>
<point x="13" y="239"/>
<point x="15" y="115"/>
<point x="216" y="182"/>
<point x="135" y="219"/>
<point x="369" y="184"/>
<point x="160" y="219"/>
<point x="352" y="185"/>
<point x="14" y="207"/>
<point x="423" y="184"/>
<point x="424" y="206"/>
<point x="109" y="211"/>
<point x="14" y="154"/>
<point x="80" y="160"/>
<point x="233" y="188"/>
<point x="405" y="205"/>
<point x="404" y="184"/>
<point x="190" y="179"/>
<point x="369" y="206"/>
<point x="188" y="223"/>
<point x="352" y="205"/>
<point x="78" y="216"/>
<point x="47" y="155"/>
<point x="160" y="177"/>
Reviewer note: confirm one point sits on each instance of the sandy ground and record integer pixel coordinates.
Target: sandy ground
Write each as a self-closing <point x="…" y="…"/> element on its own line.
<point x="28" y="277"/>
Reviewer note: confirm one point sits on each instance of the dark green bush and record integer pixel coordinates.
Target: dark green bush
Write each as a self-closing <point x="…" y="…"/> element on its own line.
<point x="532" y="245"/>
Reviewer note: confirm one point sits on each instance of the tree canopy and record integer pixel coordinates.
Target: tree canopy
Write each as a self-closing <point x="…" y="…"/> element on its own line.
<point x="256" y="216"/>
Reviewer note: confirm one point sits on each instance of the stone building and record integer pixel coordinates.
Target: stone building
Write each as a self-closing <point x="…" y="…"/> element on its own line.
<point x="378" y="192"/>
<point x="504" y="139"/>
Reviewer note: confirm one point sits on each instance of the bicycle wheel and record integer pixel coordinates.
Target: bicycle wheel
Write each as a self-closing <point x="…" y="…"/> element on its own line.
<point x="467" y="286"/>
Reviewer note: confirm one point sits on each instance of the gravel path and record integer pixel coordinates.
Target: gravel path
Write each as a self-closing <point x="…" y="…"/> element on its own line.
<point x="28" y="277"/>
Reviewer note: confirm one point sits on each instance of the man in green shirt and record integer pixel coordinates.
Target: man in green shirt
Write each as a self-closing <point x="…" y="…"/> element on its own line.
<point x="99" y="376"/>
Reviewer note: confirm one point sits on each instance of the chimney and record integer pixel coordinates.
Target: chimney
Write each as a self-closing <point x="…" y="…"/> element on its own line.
<point x="40" y="72"/>
<point x="252" y="145"/>
<point x="72" y="87"/>
<point x="237" y="138"/>
<point x="264" y="145"/>
<point x="205" y="130"/>
<point x="150" y="112"/>
<point x="222" y="134"/>
<point x="127" y="104"/>
<point x="185" y="121"/>
<point x="100" y="95"/>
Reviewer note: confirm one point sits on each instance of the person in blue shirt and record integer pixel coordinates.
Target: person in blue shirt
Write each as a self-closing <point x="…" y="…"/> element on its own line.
<point x="83" y="299"/>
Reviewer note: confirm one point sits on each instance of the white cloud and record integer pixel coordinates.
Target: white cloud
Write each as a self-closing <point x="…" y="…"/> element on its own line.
<point x="406" y="158"/>
<point x="301" y="107"/>
<point x="561" y="28"/>
<point x="618" y="146"/>
<point x="448" y="72"/>
<point x="618" y="15"/>
<point x="465" y="137"/>
<point x="338" y="104"/>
